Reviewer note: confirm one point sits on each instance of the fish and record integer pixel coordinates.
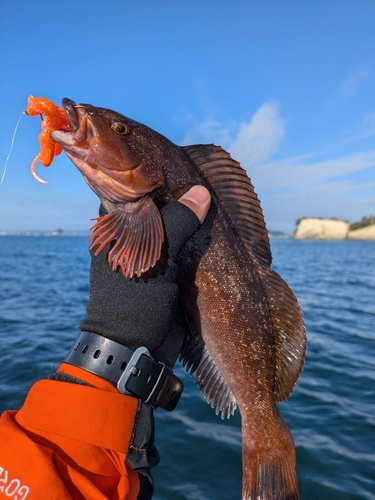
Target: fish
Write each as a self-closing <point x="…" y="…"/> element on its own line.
<point x="246" y="338"/>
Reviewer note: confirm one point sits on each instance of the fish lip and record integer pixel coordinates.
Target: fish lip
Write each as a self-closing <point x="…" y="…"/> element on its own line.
<point x="77" y="116"/>
<point x="71" y="112"/>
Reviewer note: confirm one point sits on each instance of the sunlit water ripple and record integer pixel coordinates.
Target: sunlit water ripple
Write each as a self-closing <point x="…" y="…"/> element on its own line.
<point x="44" y="289"/>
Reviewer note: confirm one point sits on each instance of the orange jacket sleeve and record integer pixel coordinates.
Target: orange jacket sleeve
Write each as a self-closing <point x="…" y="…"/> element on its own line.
<point x="68" y="442"/>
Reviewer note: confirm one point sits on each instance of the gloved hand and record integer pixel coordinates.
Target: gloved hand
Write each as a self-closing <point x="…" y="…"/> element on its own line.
<point x="141" y="311"/>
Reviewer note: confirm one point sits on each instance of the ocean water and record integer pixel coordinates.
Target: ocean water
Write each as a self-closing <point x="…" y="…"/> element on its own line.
<point x="43" y="294"/>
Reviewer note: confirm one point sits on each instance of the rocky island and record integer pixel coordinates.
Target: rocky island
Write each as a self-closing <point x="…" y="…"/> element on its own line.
<point x="334" y="229"/>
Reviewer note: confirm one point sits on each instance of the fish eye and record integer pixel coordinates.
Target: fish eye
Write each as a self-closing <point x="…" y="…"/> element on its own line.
<point x="120" y="128"/>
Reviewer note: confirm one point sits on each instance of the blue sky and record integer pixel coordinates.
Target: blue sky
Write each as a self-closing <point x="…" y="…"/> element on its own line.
<point x="286" y="86"/>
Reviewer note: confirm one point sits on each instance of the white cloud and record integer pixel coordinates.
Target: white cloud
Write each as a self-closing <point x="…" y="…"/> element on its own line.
<point x="299" y="187"/>
<point x="349" y="87"/>
<point x="209" y="131"/>
<point x="257" y="140"/>
<point x="341" y="199"/>
<point x="370" y="122"/>
<point x="306" y="185"/>
<point x="291" y="190"/>
<point x="296" y="173"/>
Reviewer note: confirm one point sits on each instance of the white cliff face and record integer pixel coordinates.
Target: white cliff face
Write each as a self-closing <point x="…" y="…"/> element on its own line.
<point x="322" y="229"/>
<point x="364" y="233"/>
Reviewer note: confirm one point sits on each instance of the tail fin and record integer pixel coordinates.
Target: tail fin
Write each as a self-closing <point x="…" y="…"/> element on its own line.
<point x="269" y="473"/>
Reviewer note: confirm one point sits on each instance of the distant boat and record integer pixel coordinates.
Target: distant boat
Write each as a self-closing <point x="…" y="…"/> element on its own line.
<point x="58" y="232"/>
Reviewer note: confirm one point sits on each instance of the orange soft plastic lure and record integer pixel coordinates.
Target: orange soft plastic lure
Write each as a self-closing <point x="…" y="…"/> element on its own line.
<point x="54" y="119"/>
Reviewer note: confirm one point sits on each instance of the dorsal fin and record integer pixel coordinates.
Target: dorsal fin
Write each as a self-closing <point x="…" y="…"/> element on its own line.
<point x="236" y="196"/>
<point x="234" y="192"/>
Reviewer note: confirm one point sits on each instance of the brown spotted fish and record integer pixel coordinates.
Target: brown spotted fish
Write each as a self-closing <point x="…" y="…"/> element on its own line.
<point x="246" y="343"/>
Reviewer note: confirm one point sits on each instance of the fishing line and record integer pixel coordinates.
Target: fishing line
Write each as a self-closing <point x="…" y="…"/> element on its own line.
<point x="11" y="147"/>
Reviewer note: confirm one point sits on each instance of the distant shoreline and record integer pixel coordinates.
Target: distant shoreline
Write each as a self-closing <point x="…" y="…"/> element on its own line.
<point x="45" y="233"/>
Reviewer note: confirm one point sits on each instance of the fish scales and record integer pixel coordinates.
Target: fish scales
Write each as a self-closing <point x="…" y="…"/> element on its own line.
<point x="246" y="337"/>
<point x="248" y="367"/>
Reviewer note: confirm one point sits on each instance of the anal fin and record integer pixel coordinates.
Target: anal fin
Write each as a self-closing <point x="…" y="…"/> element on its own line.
<point x="198" y="361"/>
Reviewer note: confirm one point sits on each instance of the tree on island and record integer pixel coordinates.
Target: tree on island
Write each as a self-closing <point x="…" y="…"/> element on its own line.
<point x="364" y="222"/>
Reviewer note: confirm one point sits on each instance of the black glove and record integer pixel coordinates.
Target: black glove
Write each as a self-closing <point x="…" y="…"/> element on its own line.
<point x="140" y="311"/>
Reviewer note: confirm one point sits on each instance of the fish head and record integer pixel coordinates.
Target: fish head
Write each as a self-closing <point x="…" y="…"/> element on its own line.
<point x="111" y="152"/>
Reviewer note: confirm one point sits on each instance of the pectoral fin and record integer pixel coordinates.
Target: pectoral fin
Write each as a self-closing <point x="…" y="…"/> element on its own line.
<point x="138" y="230"/>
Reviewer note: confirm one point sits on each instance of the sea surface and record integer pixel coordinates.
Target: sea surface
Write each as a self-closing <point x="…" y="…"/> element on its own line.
<point x="43" y="294"/>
